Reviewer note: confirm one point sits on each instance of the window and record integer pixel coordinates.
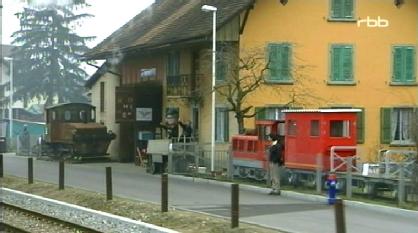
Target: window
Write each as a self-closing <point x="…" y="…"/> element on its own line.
<point x="291" y="128"/>
<point x="339" y="128"/>
<point x="67" y="115"/>
<point x="341" y="64"/>
<point x="279" y="59"/>
<point x="93" y="115"/>
<point x="396" y="124"/>
<point x="221" y="125"/>
<point x="314" y="128"/>
<point x="403" y="70"/>
<point x="54" y="115"/>
<point x="269" y="113"/>
<point x="173" y="69"/>
<point x="83" y="116"/>
<point x="102" y="96"/>
<point x="147" y="74"/>
<point x="195" y="121"/>
<point x="221" y="64"/>
<point x="342" y="9"/>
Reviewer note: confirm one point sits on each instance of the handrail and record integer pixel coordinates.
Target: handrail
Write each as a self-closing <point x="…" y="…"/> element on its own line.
<point x="334" y="156"/>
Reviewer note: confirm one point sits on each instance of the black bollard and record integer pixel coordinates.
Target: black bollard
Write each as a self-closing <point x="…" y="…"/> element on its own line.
<point x="1" y="165"/>
<point x="164" y="192"/>
<point x="234" y="205"/>
<point x="61" y="175"/>
<point x="339" y="216"/>
<point x="109" y="193"/>
<point x="30" y="170"/>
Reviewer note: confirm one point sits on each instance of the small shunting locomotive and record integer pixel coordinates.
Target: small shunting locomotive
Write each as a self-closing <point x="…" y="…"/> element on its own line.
<point x="71" y="132"/>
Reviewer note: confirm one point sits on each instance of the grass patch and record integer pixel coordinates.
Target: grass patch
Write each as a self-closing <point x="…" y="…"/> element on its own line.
<point x="182" y="221"/>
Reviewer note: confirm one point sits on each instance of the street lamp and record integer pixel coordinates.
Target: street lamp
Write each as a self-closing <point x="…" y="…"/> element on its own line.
<point x="207" y="8"/>
<point x="11" y="97"/>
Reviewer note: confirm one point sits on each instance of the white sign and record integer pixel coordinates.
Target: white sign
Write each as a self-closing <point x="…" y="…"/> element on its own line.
<point x="144" y="114"/>
<point x="373" y="23"/>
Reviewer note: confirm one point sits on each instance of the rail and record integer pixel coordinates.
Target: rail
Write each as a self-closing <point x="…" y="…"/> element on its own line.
<point x="334" y="156"/>
<point x="47" y="218"/>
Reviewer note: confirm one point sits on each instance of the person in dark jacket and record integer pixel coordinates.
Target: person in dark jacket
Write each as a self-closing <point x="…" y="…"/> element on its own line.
<point x="276" y="160"/>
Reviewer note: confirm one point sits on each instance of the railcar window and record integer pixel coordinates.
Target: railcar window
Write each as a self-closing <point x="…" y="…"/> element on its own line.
<point x="340" y="128"/>
<point x="83" y="116"/>
<point x="251" y="146"/>
<point x="67" y="115"/>
<point x="291" y="127"/>
<point x="314" y="128"/>
<point x="54" y="115"/>
<point x="93" y="115"/>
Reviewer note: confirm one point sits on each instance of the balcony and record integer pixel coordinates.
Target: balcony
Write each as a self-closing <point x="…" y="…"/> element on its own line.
<point x="183" y="86"/>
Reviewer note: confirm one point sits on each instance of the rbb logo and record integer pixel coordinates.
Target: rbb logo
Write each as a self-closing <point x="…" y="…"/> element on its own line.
<point x="373" y="23"/>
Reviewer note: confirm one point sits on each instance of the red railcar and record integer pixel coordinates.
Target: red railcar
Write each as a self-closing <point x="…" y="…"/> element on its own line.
<point x="308" y="133"/>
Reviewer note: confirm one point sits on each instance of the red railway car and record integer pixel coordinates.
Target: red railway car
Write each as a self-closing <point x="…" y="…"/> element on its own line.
<point x="249" y="151"/>
<point x="308" y="133"/>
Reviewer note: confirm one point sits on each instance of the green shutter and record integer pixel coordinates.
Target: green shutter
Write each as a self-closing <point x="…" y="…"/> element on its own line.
<point x="273" y="61"/>
<point x="348" y="8"/>
<point x="285" y="62"/>
<point x="347" y="64"/>
<point x="226" y="125"/>
<point x="260" y="113"/>
<point x="385" y="132"/>
<point x="337" y="8"/>
<point x="409" y="64"/>
<point x="360" y="126"/>
<point x="336" y="54"/>
<point x="397" y="64"/>
<point x="220" y="69"/>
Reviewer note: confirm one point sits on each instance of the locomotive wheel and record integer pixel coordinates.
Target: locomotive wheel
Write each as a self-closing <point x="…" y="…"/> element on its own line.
<point x="259" y="174"/>
<point x="243" y="173"/>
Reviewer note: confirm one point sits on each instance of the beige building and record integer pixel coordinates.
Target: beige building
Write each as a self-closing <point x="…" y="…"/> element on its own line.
<point x="101" y="90"/>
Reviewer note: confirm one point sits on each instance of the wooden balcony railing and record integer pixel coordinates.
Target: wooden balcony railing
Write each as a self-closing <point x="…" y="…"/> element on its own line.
<point x="184" y="85"/>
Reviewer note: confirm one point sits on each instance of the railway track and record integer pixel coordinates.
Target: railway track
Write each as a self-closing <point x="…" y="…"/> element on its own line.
<point x="18" y="219"/>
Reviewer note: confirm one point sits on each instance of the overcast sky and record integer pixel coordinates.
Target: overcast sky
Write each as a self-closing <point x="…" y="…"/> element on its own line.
<point x="109" y="16"/>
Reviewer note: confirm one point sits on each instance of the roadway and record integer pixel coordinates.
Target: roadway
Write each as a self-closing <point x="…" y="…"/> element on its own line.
<point x="279" y="212"/>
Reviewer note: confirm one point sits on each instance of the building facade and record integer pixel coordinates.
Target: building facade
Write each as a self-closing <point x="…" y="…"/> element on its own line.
<point x="351" y="54"/>
<point x="319" y="54"/>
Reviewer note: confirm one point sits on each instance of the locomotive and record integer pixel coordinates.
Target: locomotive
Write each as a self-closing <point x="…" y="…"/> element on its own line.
<point x="71" y="132"/>
<point x="308" y="134"/>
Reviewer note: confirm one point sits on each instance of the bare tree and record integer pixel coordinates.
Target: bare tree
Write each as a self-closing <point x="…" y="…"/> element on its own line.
<point x="245" y="73"/>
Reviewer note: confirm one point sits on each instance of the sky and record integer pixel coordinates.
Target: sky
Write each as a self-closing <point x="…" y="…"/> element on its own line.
<point x="109" y="16"/>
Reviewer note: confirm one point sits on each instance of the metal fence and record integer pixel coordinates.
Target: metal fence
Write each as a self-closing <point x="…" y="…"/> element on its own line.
<point x="191" y="159"/>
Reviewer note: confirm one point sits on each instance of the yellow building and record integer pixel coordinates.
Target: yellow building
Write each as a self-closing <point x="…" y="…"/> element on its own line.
<point x="346" y="53"/>
<point x="320" y="53"/>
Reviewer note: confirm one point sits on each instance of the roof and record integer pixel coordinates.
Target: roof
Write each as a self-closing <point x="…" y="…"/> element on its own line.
<point x="330" y="110"/>
<point x="96" y="76"/>
<point x="167" y="22"/>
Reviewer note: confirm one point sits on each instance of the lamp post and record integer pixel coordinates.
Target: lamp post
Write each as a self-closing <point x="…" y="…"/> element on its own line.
<point x="207" y="8"/>
<point x="11" y="97"/>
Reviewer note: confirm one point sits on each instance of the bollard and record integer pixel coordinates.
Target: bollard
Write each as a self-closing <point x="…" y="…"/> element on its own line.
<point x="401" y="185"/>
<point x="61" y="175"/>
<point x="319" y="173"/>
<point x="234" y="205"/>
<point x="349" y="177"/>
<point x="30" y="170"/>
<point x="164" y="192"/>
<point x="339" y="216"/>
<point x="1" y="165"/>
<point x="109" y="193"/>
